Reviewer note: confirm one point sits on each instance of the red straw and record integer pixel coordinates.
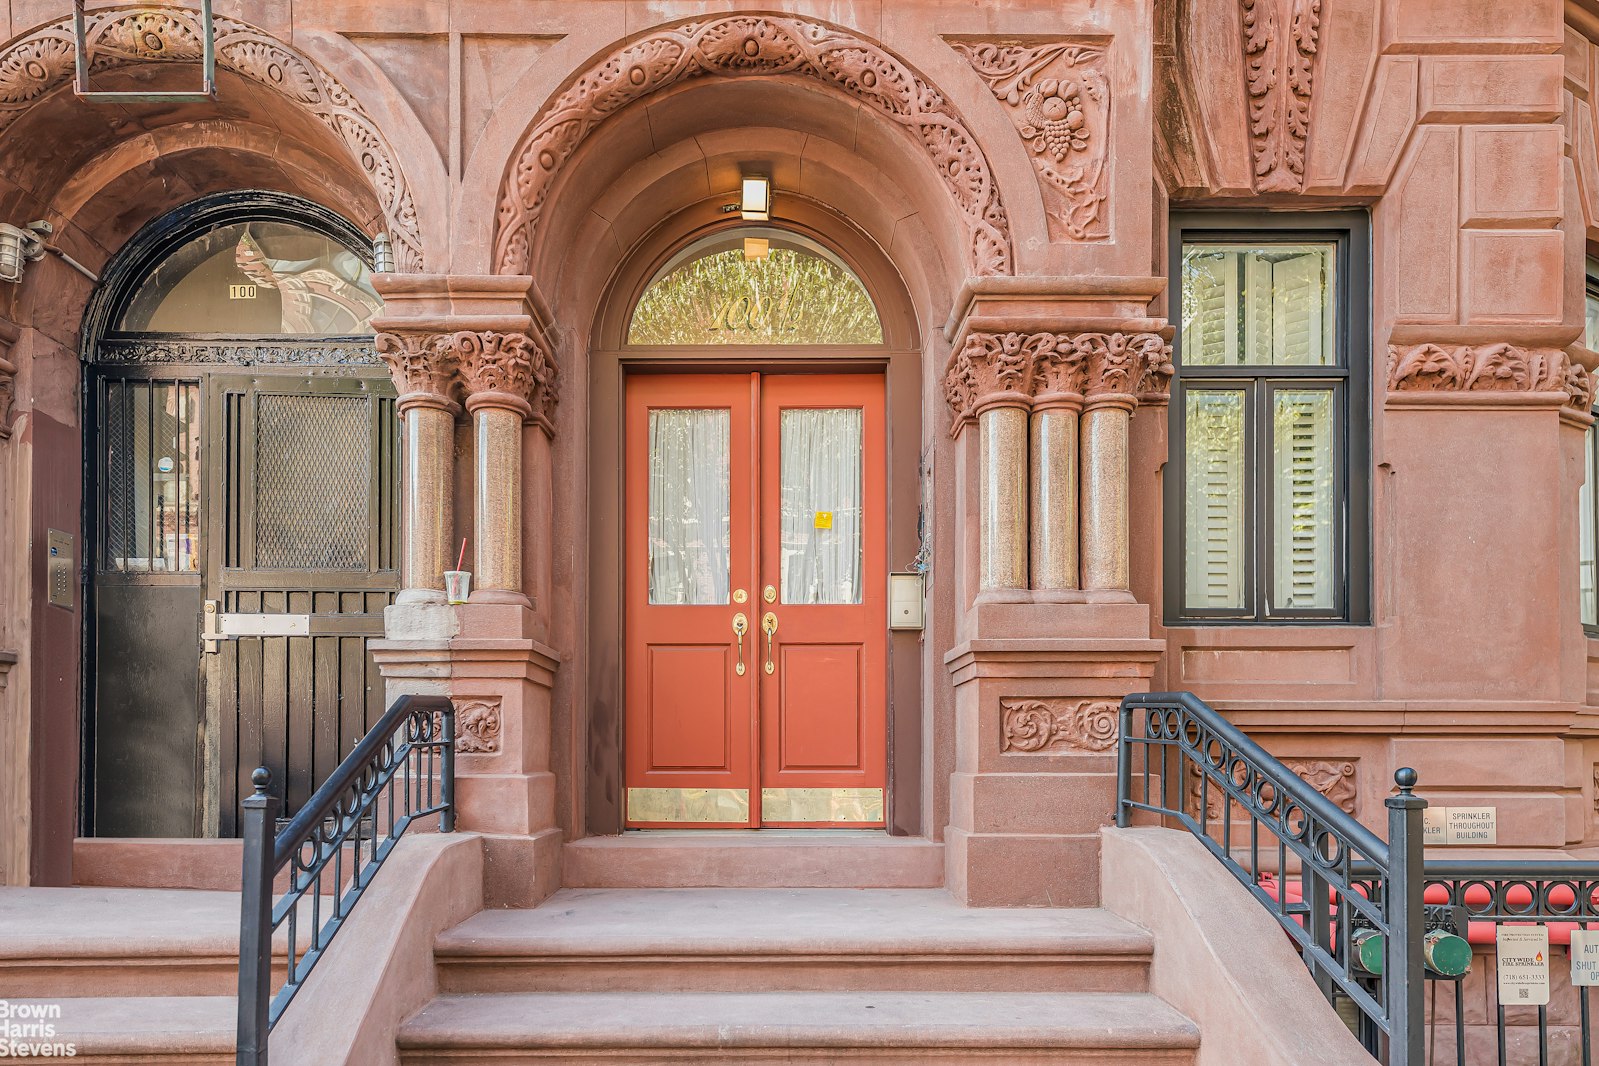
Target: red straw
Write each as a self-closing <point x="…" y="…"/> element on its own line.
<point x="459" y="559"/>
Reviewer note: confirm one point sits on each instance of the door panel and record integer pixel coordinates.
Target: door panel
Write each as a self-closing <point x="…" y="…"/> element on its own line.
<point x="305" y="516"/>
<point x="738" y="488"/>
<point x="824" y="708"/>
<point x="689" y="519"/>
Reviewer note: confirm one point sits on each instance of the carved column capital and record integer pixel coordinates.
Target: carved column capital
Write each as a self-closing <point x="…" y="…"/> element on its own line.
<point x="1122" y="367"/>
<point x="508" y="370"/>
<point x="1447" y="372"/>
<point x="992" y="370"/>
<point x="422" y="366"/>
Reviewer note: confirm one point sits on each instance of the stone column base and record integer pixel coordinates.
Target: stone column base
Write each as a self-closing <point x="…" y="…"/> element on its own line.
<point x="1035" y="773"/>
<point x="483" y="658"/>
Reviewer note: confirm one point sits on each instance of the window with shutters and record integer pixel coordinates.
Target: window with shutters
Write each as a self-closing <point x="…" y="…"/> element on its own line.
<point x="1587" y="515"/>
<point x="1269" y="440"/>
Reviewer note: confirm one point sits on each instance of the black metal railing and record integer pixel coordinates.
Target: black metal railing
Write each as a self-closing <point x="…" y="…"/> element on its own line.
<point x="1267" y="826"/>
<point x="402" y="770"/>
<point x="1366" y="914"/>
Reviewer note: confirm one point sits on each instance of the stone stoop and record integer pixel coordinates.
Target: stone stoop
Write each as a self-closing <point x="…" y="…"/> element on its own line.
<point x="140" y="975"/>
<point x="792" y="975"/>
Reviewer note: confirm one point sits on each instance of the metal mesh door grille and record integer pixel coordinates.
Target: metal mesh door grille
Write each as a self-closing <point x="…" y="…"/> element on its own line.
<point x="313" y="480"/>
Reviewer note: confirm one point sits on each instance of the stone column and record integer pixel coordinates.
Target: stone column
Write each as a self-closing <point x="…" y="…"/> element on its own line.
<point x="988" y="382"/>
<point x="1117" y="364"/>
<point x="421" y="365"/>
<point x="505" y="374"/>
<point x="1057" y="406"/>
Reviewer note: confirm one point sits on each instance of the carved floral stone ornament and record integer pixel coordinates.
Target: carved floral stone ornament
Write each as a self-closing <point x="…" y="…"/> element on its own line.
<point x="1333" y="778"/>
<point x="43" y="61"/>
<point x="1280" y="41"/>
<point x="8" y="387"/>
<point x="477" y="726"/>
<point x="1438" y="368"/>
<point x="1022" y="368"/>
<point x="1059" y="99"/>
<point x="742" y="46"/>
<point x="1057" y="725"/>
<point x="479" y="367"/>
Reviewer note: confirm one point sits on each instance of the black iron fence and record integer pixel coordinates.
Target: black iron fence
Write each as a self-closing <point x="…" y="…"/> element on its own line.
<point x="1403" y="947"/>
<point x="402" y="770"/>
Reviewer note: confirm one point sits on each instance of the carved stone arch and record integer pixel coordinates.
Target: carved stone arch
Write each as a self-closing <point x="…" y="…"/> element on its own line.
<point x="33" y="66"/>
<point x="741" y="46"/>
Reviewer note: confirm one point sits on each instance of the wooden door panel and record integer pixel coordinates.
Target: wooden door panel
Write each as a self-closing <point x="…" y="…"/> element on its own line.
<point x="819" y="709"/>
<point x="689" y="477"/>
<point x="824" y="710"/>
<point x="691" y="708"/>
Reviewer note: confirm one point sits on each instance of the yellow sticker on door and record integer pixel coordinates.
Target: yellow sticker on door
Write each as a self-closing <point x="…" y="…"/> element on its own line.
<point x="824" y="519"/>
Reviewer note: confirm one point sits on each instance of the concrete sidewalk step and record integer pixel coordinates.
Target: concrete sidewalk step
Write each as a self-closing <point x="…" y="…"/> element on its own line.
<point x="155" y="1030"/>
<point x="600" y="940"/>
<point x="1018" y="1029"/>
<point x="119" y="942"/>
<point x="769" y="858"/>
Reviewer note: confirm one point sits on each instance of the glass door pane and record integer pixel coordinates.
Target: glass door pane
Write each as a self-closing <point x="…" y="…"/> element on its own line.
<point x="821" y="505"/>
<point x="689" y="511"/>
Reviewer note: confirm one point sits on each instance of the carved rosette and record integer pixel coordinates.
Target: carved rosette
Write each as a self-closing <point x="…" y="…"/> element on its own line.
<point x="507" y="370"/>
<point x="422" y="366"/>
<point x="1026" y="369"/>
<point x="1054" y="726"/>
<point x="1058" y="97"/>
<point x="740" y="46"/>
<point x="1280" y="40"/>
<point x="477" y="726"/>
<point x="1492" y="368"/>
<point x="44" y="60"/>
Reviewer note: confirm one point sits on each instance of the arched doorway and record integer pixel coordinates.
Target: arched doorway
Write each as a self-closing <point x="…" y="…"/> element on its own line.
<point x="760" y="383"/>
<point x="242" y="472"/>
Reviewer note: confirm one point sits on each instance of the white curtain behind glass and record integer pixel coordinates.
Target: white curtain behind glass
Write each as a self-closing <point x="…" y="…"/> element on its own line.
<point x="821" y="504"/>
<point x="689" y="511"/>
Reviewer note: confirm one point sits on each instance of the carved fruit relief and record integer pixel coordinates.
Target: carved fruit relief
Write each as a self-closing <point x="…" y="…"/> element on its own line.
<point x="477" y="727"/>
<point x="1058" y="96"/>
<point x="1053" y="726"/>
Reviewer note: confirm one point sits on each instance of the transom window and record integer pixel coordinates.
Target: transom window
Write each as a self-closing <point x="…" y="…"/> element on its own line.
<point x="1268" y="419"/>
<point x="258" y="278"/>
<point x="755" y="285"/>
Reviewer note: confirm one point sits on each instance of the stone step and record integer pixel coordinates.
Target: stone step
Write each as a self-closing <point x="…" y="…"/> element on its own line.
<point x="772" y="858"/>
<point x="772" y="940"/>
<point x="837" y="1028"/>
<point x="154" y="1030"/>
<point x="115" y="942"/>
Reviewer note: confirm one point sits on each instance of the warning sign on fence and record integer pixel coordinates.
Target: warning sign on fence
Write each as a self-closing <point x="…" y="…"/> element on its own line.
<point x="1523" y="965"/>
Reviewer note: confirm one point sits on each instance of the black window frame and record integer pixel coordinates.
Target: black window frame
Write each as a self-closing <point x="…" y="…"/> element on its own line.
<point x="1351" y="379"/>
<point x="1590" y="443"/>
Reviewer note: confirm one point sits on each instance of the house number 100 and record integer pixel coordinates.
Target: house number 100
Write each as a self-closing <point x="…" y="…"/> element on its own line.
<point x="751" y="312"/>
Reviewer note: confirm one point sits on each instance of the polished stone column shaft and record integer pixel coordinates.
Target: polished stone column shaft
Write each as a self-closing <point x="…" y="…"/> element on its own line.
<point x="1003" y="497"/>
<point x="498" y="513"/>
<point x="429" y="442"/>
<point x="1054" y="498"/>
<point x="1104" y="489"/>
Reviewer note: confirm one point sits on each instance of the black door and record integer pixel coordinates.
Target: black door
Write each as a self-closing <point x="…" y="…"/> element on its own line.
<point x="247" y="543"/>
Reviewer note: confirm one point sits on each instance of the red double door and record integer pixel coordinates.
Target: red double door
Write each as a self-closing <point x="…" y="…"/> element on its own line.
<point x="755" y="614"/>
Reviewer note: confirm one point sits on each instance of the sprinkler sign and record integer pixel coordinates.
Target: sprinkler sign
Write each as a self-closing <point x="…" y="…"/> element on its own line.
<point x="1523" y="965"/>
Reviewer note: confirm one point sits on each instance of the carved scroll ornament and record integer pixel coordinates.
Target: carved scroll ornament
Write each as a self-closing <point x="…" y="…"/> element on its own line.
<point x="1336" y="779"/>
<point x="8" y="393"/>
<point x="1489" y="368"/>
<point x="1059" y="99"/>
<point x="1280" y="39"/>
<point x="1020" y="368"/>
<point x="43" y="61"/>
<point x="1053" y="725"/>
<point x="741" y="46"/>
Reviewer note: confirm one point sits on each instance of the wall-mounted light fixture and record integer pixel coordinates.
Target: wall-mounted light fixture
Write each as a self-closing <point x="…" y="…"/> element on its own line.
<point x="755" y="198"/>
<point x="20" y="246"/>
